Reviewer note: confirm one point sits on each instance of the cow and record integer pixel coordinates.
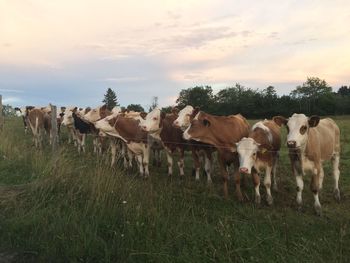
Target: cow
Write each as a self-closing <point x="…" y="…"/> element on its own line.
<point x="260" y="151"/>
<point x="160" y="125"/>
<point x="183" y="121"/>
<point x="36" y="123"/>
<point x="68" y="121"/>
<point x="223" y="132"/>
<point x="23" y="112"/>
<point x="128" y="130"/>
<point x="312" y="141"/>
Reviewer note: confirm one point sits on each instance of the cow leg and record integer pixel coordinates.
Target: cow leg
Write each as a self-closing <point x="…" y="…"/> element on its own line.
<point x="170" y="163"/>
<point x="83" y="142"/>
<point x="113" y="152"/>
<point x="300" y="187"/>
<point x="256" y="182"/>
<point x="315" y="186"/>
<point x="146" y="154"/>
<point x="207" y="166"/>
<point x="139" y="162"/>
<point x="237" y="178"/>
<point x="130" y="157"/>
<point x="181" y="163"/>
<point x="196" y="163"/>
<point x="274" y="175"/>
<point x="267" y="183"/>
<point x="224" y="172"/>
<point x="321" y="178"/>
<point x="336" y="173"/>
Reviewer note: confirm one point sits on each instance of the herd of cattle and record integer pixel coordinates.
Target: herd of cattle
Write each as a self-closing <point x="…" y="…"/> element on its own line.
<point x="251" y="150"/>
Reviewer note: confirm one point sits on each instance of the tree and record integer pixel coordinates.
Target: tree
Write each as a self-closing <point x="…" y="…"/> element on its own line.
<point x="198" y="96"/>
<point x="154" y="103"/>
<point x="110" y="99"/>
<point x="344" y="91"/>
<point x="135" y="107"/>
<point x="310" y="92"/>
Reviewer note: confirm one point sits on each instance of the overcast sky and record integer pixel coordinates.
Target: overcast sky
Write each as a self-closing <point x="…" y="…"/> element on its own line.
<point x="69" y="52"/>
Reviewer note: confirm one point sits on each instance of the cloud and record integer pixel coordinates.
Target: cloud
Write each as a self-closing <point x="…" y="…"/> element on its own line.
<point x="11" y="90"/>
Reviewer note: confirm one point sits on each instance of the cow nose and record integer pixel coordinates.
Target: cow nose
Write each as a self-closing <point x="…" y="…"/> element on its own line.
<point x="176" y="124"/>
<point x="243" y="170"/>
<point x="291" y="144"/>
<point x="143" y="127"/>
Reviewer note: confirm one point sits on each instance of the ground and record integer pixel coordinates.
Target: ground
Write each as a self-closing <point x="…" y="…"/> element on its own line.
<point x="67" y="207"/>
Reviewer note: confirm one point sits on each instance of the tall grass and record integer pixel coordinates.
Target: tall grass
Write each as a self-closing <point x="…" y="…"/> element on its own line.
<point x="74" y="208"/>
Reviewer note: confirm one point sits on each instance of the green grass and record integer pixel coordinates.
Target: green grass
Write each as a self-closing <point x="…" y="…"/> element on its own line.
<point x="74" y="208"/>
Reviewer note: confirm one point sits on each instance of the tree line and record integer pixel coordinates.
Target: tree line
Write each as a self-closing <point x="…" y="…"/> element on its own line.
<point x="314" y="96"/>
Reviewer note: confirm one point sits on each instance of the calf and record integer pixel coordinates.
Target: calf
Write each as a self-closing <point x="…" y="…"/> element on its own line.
<point x="128" y="130"/>
<point x="160" y="126"/>
<point x="222" y="132"/>
<point x="260" y="151"/>
<point x="183" y="121"/>
<point x="312" y="141"/>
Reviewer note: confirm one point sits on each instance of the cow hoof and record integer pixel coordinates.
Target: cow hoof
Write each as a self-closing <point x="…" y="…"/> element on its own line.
<point x="300" y="208"/>
<point x="275" y="187"/>
<point x="269" y="200"/>
<point x="318" y="210"/>
<point x="182" y="177"/>
<point x="240" y="198"/>
<point x="197" y="179"/>
<point x="257" y="199"/>
<point x="209" y="181"/>
<point x="336" y="194"/>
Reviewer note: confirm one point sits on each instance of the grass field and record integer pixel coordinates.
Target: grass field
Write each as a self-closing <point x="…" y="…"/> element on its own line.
<point x="74" y="208"/>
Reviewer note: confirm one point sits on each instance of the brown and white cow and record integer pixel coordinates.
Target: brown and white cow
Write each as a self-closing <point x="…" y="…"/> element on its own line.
<point x="223" y="132"/>
<point x="183" y="121"/>
<point x="258" y="152"/>
<point x="312" y="141"/>
<point x="160" y="125"/>
<point x="128" y="130"/>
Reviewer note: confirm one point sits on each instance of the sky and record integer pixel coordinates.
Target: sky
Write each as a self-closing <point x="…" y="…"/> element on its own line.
<point x="69" y="52"/>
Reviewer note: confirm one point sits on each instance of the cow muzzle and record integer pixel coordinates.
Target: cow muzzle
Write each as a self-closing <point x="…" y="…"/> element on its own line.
<point x="291" y="144"/>
<point x="243" y="170"/>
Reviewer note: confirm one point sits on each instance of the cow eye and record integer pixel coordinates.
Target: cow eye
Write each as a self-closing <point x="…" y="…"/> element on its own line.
<point x="303" y="129"/>
<point x="154" y="118"/>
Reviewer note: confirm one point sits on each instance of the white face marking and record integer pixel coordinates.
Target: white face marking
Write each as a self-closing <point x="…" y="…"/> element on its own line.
<point x="247" y="149"/>
<point x="68" y="117"/>
<point x="186" y="135"/>
<point x="152" y="121"/>
<point x="294" y="124"/>
<point x="93" y="115"/>
<point x="104" y="126"/>
<point x="261" y="125"/>
<point x="183" y="121"/>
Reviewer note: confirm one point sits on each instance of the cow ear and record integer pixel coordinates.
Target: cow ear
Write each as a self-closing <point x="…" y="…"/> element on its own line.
<point x="143" y="115"/>
<point x="104" y="107"/>
<point x="162" y="115"/>
<point x="75" y="109"/>
<point x="175" y="110"/>
<point x="206" y="123"/>
<point x="314" y="120"/>
<point x="280" y="120"/>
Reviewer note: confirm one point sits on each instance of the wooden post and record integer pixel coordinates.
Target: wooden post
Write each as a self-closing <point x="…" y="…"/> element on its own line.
<point x="1" y="115"/>
<point x="54" y="127"/>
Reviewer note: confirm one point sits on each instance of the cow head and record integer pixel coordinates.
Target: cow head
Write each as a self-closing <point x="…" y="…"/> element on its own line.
<point x="199" y="128"/>
<point x="184" y="118"/>
<point x="248" y="149"/>
<point x="68" y="116"/>
<point x="151" y="123"/>
<point x="97" y="114"/>
<point x="298" y="126"/>
<point x="106" y="125"/>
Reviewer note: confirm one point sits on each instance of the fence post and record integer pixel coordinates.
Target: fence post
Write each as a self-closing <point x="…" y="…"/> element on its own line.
<point x="1" y="115"/>
<point x="54" y="127"/>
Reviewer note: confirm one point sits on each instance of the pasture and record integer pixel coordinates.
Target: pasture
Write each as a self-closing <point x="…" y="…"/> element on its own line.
<point x="75" y="208"/>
